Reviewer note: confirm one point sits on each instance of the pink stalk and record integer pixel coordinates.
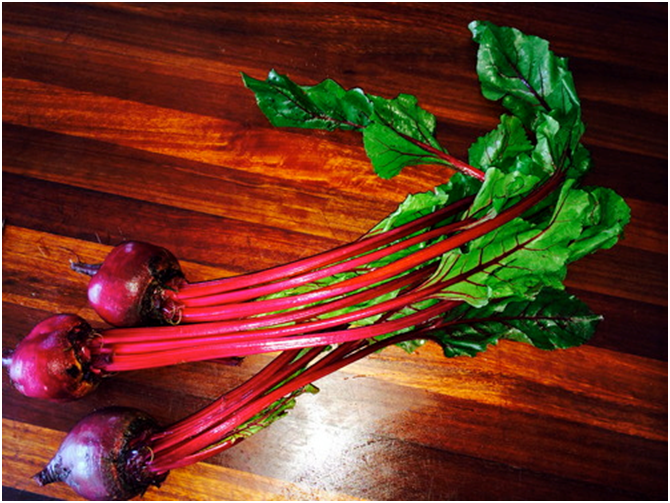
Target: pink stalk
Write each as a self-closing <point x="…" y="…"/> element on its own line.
<point x="110" y="337"/>
<point x="280" y="368"/>
<point x="209" y="437"/>
<point x="191" y="313"/>
<point x="124" y="347"/>
<point x="122" y="362"/>
<point x="362" y="245"/>
<point x="470" y="231"/>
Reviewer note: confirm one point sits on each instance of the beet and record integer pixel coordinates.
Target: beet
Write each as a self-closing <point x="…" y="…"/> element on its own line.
<point x="104" y="457"/>
<point x="53" y="361"/>
<point x="128" y="289"/>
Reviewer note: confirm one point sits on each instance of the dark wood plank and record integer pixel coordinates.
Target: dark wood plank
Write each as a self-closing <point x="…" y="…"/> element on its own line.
<point x="130" y="121"/>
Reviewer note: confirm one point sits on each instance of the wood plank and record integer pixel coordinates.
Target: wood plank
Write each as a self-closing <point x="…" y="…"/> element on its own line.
<point x="130" y="121"/>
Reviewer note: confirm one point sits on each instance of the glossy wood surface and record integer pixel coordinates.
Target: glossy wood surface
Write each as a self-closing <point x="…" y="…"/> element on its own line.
<point x="130" y="121"/>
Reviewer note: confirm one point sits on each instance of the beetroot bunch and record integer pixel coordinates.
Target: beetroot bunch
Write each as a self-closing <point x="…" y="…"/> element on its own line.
<point x="478" y="259"/>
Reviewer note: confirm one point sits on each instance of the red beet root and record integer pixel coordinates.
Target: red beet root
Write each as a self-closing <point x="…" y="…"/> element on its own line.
<point x="129" y="287"/>
<point x="104" y="457"/>
<point x="53" y="361"/>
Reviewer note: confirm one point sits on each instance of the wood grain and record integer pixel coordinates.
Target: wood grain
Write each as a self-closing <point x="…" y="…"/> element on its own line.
<point x="130" y="121"/>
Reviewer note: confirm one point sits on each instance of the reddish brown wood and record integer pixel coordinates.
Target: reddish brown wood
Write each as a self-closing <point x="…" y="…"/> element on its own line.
<point x="130" y="121"/>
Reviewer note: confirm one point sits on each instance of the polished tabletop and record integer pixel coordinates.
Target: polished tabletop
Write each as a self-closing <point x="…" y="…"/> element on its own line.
<point x="130" y="121"/>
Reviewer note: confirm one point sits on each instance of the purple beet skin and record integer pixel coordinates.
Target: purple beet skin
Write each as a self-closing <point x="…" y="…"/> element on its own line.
<point x="105" y="455"/>
<point x="128" y="289"/>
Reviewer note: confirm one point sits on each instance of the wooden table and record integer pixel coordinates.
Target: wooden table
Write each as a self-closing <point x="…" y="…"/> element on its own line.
<point x="130" y="121"/>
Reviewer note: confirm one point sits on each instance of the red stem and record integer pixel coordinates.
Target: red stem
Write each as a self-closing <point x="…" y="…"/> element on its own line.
<point x="110" y="339"/>
<point x="365" y="244"/>
<point x="277" y="370"/>
<point x="206" y="441"/>
<point x="121" y="362"/>
<point x="193" y="312"/>
<point x="471" y="231"/>
<point x="205" y="343"/>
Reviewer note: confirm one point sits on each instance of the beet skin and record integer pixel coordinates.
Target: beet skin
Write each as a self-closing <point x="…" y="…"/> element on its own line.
<point x="104" y="457"/>
<point x="128" y="289"/>
<point x="53" y="361"/>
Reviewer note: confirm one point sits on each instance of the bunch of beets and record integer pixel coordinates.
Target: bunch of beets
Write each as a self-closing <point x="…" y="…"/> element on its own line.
<point x="478" y="259"/>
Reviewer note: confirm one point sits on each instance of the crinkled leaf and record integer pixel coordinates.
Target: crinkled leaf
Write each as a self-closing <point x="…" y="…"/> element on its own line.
<point x="503" y="147"/>
<point x="324" y="106"/>
<point x="391" y="138"/>
<point x="406" y="118"/>
<point x="521" y="71"/>
<point x="552" y="320"/>
<point x="610" y="214"/>
<point x="519" y="169"/>
<point x="500" y="190"/>
<point x="390" y="151"/>
<point x="519" y="258"/>
<point x="557" y="146"/>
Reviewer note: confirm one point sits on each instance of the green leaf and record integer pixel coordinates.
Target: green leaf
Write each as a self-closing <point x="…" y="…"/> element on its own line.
<point x="390" y="152"/>
<point x="500" y="190"/>
<point x="503" y="147"/>
<point x="552" y="320"/>
<point x="609" y="216"/>
<point x="396" y="133"/>
<point x="520" y="258"/>
<point x="323" y="106"/>
<point x="557" y="146"/>
<point x="521" y="71"/>
<point x="416" y="205"/>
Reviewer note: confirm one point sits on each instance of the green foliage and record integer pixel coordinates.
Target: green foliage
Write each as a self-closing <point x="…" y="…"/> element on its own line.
<point x="324" y="106"/>
<point x="553" y="320"/>
<point x="396" y="133"/>
<point x="520" y="258"/>
<point x="521" y="71"/>
<point x="503" y="147"/>
<point x="510" y="279"/>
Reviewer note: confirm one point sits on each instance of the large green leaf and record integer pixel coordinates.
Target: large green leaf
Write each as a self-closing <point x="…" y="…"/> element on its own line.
<point x="520" y="258"/>
<point x="521" y="71"/>
<point x="396" y="132"/>
<point x="552" y="320"/>
<point x="398" y="135"/>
